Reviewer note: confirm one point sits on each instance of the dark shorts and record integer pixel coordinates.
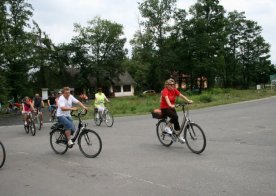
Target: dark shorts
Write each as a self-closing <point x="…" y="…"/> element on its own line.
<point x="67" y="122"/>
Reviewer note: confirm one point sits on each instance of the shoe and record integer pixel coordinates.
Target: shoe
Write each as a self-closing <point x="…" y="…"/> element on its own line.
<point x="181" y="140"/>
<point x="70" y="143"/>
<point x="50" y="120"/>
<point x="168" y="130"/>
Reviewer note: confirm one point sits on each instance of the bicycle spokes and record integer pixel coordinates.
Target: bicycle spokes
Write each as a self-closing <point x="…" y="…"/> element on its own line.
<point x="86" y="137"/>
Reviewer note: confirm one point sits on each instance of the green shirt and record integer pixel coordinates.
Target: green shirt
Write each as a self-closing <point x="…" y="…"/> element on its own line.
<point x="99" y="99"/>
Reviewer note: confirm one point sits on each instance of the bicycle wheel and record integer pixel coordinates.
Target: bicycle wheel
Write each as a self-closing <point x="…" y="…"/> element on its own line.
<point x="38" y="122"/>
<point x="26" y="127"/>
<point x="90" y="143"/>
<point x="32" y="127"/>
<point x="97" y="119"/>
<point x="109" y="120"/>
<point x="2" y="154"/>
<point x="58" y="141"/>
<point x="195" y="138"/>
<point x="163" y="137"/>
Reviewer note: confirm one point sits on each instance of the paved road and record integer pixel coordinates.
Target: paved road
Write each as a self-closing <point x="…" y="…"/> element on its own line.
<point x="239" y="158"/>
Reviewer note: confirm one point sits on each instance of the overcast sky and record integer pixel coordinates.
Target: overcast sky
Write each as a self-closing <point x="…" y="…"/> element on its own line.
<point x="56" y="17"/>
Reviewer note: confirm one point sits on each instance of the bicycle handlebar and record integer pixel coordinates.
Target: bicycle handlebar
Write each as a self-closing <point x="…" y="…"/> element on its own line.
<point x="81" y="112"/>
<point x="181" y="104"/>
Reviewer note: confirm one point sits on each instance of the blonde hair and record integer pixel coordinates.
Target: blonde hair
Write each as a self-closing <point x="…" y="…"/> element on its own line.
<point x="169" y="81"/>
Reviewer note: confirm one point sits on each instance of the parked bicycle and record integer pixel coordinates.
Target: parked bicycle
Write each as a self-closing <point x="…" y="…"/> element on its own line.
<point x="2" y="154"/>
<point x="103" y="116"/>
<point x="12" y="107"/>
<point x="30" y="126"/>
<point x="193" y="133"/>
<point x="38" y="118"/>
<point x="90" y="143"/>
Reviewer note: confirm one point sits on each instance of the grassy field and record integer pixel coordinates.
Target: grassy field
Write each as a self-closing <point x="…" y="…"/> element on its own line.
<point x="136" y="105"/>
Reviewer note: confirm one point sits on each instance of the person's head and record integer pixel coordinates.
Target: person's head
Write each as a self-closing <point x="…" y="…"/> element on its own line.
<point x="26" y="99"/>
<point x="52" y="94"/>
<point x="100" y="90"/>
<point x="170" y="84"/>
<point x="36" y="95"/>
<point x="59" y="93"/>
<point x="66" y="92"/>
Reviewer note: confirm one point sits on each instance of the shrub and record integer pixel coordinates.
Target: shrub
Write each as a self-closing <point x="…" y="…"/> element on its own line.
<point x="206" y="98"/>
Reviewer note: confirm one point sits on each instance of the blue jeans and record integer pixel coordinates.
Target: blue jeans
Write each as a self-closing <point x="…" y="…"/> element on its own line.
<point x="67" y="122"/>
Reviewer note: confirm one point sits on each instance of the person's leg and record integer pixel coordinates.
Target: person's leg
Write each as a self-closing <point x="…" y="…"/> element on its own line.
<point x="68" y="125"/>
<point x="174" y="117"/>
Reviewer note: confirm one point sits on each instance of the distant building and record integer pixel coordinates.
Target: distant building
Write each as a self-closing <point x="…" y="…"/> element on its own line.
<point x="123" y="85"/>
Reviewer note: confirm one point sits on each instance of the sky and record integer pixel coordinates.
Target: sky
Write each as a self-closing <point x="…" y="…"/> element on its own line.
<point x="56" y="17"/>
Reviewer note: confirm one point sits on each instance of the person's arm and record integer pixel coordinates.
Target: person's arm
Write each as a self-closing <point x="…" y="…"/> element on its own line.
<point x="23" y="108"/>
<point x="106" y="98"/>
<point x="169" y="102"/>
<point x="42" y="103"/>
<point x="48" y="102"/>
<point x="80" y="103"/>
<point x="185" y="98"/>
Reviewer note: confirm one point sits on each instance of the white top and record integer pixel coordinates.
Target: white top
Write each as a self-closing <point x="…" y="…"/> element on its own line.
<point x="63" y="102"/>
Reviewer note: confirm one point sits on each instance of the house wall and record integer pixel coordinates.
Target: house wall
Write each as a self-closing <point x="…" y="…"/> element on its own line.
<point x="122" y="93"/>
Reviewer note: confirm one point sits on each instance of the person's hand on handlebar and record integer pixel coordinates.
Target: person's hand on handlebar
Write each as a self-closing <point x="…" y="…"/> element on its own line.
<point x="190" y="101"/>
<point x="74" y="109"/>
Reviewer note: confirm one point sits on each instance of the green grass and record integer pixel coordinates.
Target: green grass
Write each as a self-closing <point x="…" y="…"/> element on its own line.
<point x="127" y="106"/>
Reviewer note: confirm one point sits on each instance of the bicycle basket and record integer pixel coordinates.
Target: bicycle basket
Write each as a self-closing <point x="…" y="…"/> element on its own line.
<point x="157" y="113"/>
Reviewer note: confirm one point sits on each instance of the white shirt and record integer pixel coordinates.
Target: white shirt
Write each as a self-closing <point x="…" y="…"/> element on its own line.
<point x="63" y="102"/>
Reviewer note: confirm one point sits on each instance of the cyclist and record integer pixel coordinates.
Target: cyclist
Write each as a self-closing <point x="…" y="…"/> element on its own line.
<point x="51" y="105"/>
<point x="100" y="98"/>
<point x="27" y="108"/>
<point x="167" y="105"/>
<point x="38" y="104"/>
<point x="65" y="102"/>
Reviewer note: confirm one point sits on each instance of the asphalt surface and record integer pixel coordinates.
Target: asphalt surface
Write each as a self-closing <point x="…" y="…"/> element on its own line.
<point x="239" y="158"/>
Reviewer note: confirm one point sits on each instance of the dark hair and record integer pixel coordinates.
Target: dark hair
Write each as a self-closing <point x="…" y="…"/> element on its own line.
<point x="66" y="88"/>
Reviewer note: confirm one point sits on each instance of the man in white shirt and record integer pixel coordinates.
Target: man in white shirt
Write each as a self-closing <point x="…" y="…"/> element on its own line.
<point x="65" y="102"/>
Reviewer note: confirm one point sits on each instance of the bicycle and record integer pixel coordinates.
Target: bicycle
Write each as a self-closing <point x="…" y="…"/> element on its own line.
<point x="54" y="115"/>
<point x="193" y="133"/>
<point x="2" y="154"/>
<point x="84" y="136"/>
<point x="30" y="125"/>
<point x="103" y="116"/>
<point x="38" y="118"/>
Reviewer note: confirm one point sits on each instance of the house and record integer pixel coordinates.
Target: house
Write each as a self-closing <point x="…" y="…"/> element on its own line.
<point x="123" y="85"/>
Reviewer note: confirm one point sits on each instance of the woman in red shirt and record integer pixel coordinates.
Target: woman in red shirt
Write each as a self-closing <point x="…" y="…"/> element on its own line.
<point x="167" y="103"/>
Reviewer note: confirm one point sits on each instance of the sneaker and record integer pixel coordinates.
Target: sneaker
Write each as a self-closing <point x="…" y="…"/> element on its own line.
<point x="181" y="140"/>
<point x="168" y="130"/>
<point x="70" y="143"/>
<point x="50" y="119"/>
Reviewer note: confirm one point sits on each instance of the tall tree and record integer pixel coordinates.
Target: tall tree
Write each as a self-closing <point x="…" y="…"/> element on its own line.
<point x="100" y="49"/>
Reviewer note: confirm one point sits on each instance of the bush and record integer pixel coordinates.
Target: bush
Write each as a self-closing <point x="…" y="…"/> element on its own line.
<point x="206" y="98"/>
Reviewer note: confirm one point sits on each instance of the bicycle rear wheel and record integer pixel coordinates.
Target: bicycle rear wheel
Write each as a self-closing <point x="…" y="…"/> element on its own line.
<point x="90" y="143"/>
<point x="26" y="127"/>
<point x="195" y="138"/>
<point x="58" y="142"/>
<point x="32" y="127"/>
<point x="2" y="154"/>
<point x="163" y="137"/>
<point x="109" y="120"/>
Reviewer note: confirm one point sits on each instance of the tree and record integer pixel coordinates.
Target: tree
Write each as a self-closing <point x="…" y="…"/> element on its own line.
<point x="100" y="49"/>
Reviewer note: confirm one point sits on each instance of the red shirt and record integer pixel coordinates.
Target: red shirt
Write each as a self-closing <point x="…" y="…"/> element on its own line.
<point x="172" y="94"/>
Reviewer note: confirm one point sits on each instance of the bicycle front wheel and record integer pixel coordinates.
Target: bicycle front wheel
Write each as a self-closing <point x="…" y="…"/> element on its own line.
<point x="90" y="143"/>
<point x="163" y="137"/>
<point x="38" y="122"/>
<point x="109" y="120"/>
<point x="32" y="128"/>
<point x="195" y="138"/>
<point x="58" y="142"/>
<point x="97" y="119"/>
<point x="2" y="154"/>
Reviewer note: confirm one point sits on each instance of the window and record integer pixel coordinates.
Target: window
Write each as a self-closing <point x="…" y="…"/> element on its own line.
<point x="117" y="89"/>
<point x="127" y="88"/>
